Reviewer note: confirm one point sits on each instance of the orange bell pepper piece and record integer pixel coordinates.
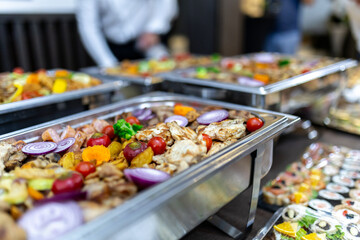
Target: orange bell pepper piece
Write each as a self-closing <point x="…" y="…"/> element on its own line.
<point x="182" y="110"/>
<point x="61" y="73"/>
<point x="262" y="77"/>
<point x="35" y="194"/>
<point x="32" y="78"/>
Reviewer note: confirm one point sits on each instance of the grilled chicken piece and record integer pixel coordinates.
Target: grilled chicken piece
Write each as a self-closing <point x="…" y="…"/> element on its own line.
<point x="19" y="145"/>
<point x="159" y="130"/>
<point x="192" y="116"/>
<point x="224" y="130"/>
<point x="185" y="153"/>
<point x="96" y="191"/>
<point x="10" y="157"/>
<point x="123" y="116"/>
<point x="99" y="124"/>
<point x="89" y="130"/>
<point x="194" y="125"/>
<point x="80" y="139"/>
<point x="240" y="114"/>
<point x="68" y="132"/>
<point x="92" y="210"/>
<point x="166" y="167"/>
<point x="5" y="149"/>
<point x="217" y="146"/>
<point x="163" y="112"/>
<point x="9" y="229"/>
<point x="180" y="133"/>
<point x="50" y="135"/>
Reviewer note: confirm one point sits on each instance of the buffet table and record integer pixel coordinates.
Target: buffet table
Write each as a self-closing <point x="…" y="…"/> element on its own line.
<point x="288" y="149"/>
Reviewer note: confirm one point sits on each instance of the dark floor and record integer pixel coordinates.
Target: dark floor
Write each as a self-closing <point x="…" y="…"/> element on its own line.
<point x="288" y="149"/>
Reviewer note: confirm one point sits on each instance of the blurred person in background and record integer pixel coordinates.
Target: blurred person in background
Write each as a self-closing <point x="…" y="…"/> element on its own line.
<point x="286" y="35"/>
<point x="114" y="30"/>
<point x="353" y="10"/>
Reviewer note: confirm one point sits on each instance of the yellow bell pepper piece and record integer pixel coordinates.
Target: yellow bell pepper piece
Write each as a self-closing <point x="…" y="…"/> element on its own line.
<point x="18" y="92"/>
<point x="59" y="86"/>
<point x="304" y="187"/>
<point x="298" y="196"/>
<point x="315" y="171"/>
<point x="314" y="180"/>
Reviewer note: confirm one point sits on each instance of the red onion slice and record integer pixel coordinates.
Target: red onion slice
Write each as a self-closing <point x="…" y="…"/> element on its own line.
<point x="182" y="121"/>
<point x="51" y="220"/>
<point x="39" y="148"/>
<point x="61" y="197"/>
<point x="145" y="177"/>
<point x="213" y="116"/>
<point x="246" y="81"/>
<point x="138" y="112"/>
<point x="151" y="116"/>
<point x="146" y="113"/>
<point x="65" y="144"/>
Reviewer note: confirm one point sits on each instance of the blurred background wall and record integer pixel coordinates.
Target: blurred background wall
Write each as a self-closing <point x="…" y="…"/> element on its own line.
<point x="42" y="34"/>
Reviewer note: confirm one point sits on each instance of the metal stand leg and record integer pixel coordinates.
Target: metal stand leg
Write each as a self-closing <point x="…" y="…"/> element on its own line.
<point x="228" y="228"/>
<point x="258" y="101"/>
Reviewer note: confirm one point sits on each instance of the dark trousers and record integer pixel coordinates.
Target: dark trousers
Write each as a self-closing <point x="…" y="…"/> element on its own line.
<point x="126" y="51"/>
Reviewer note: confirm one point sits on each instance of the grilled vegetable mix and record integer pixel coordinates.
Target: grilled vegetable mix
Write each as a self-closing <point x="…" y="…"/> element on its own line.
<point x="98" y="166"/>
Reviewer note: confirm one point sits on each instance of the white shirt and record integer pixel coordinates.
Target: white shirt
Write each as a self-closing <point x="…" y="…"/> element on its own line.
<point x="121" y="21"/>
<point x="353" y="11"/>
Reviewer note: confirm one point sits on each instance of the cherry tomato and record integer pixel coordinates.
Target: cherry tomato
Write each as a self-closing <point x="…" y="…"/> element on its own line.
<point x="146" y="74"/>
<point x="30" y="94"/>
<point x="178" y="104"/>
<point x="254" y="124"/>
<point x="207" y="140"/>
<point x="85" y="168"/>
<point x="229" y="65"/>
<point x="99" y="139"/>
<point x="158" y="145"/>
<point x="305" y="70"/>
<point x="18" y="70"/>
<point x="133" y="149"/>
<point x="109" y="130"/>
<point x="182" y="56"/>
<point x="132" y="120"/>
<point x="69" y="183"/>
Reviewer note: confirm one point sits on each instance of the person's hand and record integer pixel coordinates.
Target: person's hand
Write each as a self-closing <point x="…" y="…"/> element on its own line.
<point x="147" y="40"/>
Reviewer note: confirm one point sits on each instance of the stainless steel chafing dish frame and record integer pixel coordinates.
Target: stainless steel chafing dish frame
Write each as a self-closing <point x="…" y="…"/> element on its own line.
<point x="258" y="94"/>
<point x="171" y="209"/>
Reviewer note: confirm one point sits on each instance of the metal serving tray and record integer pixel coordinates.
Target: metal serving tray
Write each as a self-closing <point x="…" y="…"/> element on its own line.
<point x="33" y="111"/>
<point x="258" y="93"/>
<point x="171" y="209"/>
<point x="104" y="87"/>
